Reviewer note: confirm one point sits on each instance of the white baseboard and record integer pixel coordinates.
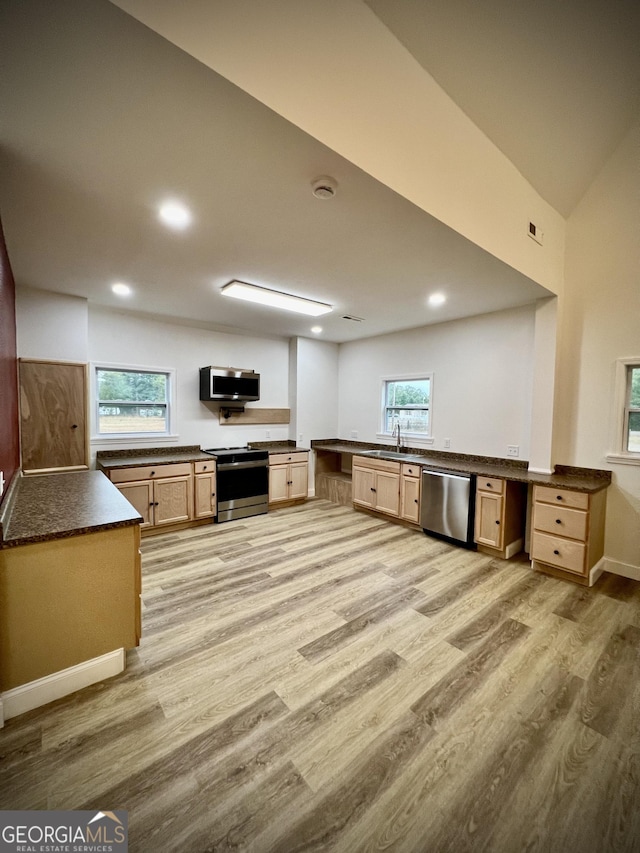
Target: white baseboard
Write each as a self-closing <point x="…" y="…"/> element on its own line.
<point x="596" y="571"/>
<point x="627" y="570"/>
<point x="26" y="697"/>
<point x="513" y="549"/>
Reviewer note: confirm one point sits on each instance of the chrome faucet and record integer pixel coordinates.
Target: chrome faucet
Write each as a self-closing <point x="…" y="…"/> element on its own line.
<point x="396" y="433"/>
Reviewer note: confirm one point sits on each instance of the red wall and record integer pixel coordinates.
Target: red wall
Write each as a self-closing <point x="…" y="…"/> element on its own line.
<point x="9" y="435"/>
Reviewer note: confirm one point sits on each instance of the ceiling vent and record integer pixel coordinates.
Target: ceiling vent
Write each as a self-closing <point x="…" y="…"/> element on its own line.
<point x="351" y="317"/>
<point x="324" y="187"/>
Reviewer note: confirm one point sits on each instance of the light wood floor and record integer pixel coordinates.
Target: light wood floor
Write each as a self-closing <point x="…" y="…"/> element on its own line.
<point x="320" y="679"/>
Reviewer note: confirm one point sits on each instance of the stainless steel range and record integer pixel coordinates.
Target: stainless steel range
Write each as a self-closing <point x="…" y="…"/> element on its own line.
<point x="242" y="482"/>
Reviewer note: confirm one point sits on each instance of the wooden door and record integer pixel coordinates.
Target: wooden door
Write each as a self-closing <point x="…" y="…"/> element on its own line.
<point x="53" y="421"/>
<point x="364" y="481"/>
<point x="388" y="492"/>
<point x="278" y="483"/>
<point x="488" y="526"/>
<point x="411" y="498"/>
<point x="204" y="494"/>
<point x="140" y="496"/>
<point x="173" y="499"/>
<point x="298" y="480"/>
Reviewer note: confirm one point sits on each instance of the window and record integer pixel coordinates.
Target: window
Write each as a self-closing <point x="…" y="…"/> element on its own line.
<point x="407" y="403"/>
<point x="132" y="402"/>
<point x="631" y="433"/>
<point x="626" y="440"/>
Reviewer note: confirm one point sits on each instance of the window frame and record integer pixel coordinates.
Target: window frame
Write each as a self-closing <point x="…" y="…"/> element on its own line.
<point x="128" y="437"/>
<point x="426" y="438"/>
<point x="622" y="409"/>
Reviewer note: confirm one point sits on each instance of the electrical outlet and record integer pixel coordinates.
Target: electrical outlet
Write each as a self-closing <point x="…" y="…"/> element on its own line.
<point x="354" y="434"/>
<point x="268" y="434"/>
<point x="513" y="450"/>
<point x="447" y="442"/>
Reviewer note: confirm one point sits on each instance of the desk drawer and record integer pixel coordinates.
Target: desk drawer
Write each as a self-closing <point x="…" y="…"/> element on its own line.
<point x="555" y="551"/>
<point x="561" y="497"/>
<point x="560" y="520"/>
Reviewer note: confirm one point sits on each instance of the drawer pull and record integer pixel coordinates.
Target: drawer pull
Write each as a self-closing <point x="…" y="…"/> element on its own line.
<point x="558" y="521"/>
<point x="415" y="500"/>
<point x="497" y="522"/>
<point x="372" y="489"/>
<point x="558" y="497"/>
<point x="204" y="467"/>
<point x="489" y="486"/>
<point x="557" y="553"/>
<point x="152" y="473"/>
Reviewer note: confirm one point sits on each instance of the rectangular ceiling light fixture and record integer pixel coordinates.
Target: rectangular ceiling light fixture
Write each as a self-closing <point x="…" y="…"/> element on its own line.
<point x="264" y="296"/>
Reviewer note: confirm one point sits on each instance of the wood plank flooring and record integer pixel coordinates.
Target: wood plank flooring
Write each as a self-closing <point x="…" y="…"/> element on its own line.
<point x="318" y="679"/>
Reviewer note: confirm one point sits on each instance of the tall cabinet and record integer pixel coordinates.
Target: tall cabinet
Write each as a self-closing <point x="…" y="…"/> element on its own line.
<point x="53" y="416"/>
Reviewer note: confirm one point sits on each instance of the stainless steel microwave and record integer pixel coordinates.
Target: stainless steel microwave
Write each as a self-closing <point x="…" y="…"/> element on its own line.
<point x="226" y="384"/>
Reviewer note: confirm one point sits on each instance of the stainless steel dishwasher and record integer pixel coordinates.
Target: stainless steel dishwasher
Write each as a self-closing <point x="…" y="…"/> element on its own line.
<point x="447" y="506"/>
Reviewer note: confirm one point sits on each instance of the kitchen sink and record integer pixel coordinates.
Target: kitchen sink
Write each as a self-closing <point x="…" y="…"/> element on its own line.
<point x="392" y="454"/>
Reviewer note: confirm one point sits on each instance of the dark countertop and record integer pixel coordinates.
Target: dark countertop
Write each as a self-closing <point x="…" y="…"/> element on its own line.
<point x="565" y="477"/>
<point x="56" y="506"/>
<point x="112" y="459"/>
<point x="150" y="457"/>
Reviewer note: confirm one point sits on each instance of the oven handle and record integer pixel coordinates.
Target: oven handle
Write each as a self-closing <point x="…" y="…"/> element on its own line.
<point x="259" y="463"/>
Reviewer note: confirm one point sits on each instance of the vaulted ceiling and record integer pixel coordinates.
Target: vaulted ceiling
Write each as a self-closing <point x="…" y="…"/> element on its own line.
<point x="102" y="118"/>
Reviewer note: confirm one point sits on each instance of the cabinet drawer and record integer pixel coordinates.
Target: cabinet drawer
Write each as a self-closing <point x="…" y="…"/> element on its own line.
<point x="284" y="458"/>
<point x="490" y="484"/>
<point x="561" y="520"/>
<point x="411" y="470"/>
<point x="150" y="472"/>
<point x="563" y="553"/>
<point x="561" y="497"/>
<point x="204" y="467"/>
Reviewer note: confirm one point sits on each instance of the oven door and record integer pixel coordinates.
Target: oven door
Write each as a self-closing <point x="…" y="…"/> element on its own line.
<point x="243" y="489"/>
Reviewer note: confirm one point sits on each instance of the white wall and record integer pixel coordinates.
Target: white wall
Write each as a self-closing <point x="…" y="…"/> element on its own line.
<point x="51" y="326"/>
<point x="601" y="322"/>
<point x="482" y="383"/>
<point x="120" y="338"/>
<point x="333" y="69"/>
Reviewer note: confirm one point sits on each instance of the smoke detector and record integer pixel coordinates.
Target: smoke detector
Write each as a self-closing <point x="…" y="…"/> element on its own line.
<point x="324" y="187"/>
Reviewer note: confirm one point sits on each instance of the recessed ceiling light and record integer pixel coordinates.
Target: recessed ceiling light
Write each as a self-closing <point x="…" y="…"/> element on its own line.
<point x="437" y="299"/>
<point x="316" y="329"/>
<point x="175" y="215"/>
<point x="121" y="289"/>
<point x="275" y="299"/>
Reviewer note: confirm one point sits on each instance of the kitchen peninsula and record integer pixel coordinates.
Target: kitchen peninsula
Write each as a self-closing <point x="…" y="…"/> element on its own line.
<point x="70" y="576"/>
<point x="566" y="508"/>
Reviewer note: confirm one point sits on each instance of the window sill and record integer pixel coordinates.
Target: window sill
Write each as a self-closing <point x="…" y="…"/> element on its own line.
<point x="132" y="439"/>
<point x="623" y="458"/>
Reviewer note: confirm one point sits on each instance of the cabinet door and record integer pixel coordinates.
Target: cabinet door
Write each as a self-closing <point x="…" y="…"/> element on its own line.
<point x="388" y="493"/>
<point x="173" y="499"/>
<point x="298" y="480"/>
<point x="53" y="405"/>
<point x="410" y="504"/>
<point x="205" y="495"/>
<point x="140" y="496"/>
<point x="364" y="486"/>
<point x="488" y="526"/>
<point x="278" y="483"/>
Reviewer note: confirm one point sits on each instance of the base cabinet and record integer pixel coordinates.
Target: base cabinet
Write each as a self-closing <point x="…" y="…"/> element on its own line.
<point x="568" y="533"/>
<point x="500" y="516"/>
<point x="410" y="493"/>
<point x="288" y="477"/>
<point x="162" y="494"/>
<point x="376" y="485"/>
<point x="204" y="490"/>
